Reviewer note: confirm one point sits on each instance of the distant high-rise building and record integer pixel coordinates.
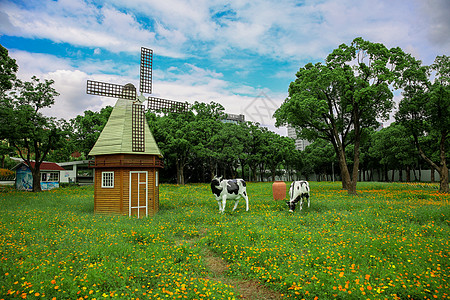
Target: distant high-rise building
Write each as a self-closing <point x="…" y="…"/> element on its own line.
<point x="300" y="144"/>
<point x="231" y="118"/>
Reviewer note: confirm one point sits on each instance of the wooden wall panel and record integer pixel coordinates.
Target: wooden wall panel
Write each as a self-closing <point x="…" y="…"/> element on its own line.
<point x="116" y="200"/>
<point x="107" y="200"/>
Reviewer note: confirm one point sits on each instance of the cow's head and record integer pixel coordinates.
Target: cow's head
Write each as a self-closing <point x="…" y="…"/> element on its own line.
<point x="291" y="205"/>
<point x="215" y="185"/>
<point x="216" y="179"/>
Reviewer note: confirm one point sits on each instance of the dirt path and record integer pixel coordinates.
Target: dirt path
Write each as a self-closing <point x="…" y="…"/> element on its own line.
<point x="218" y="269"/>
<point x="248" y="289"/>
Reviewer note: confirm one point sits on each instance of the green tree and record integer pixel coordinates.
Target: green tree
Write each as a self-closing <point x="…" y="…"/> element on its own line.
<point x="229" y="148"/>
<point x="425" y="108"/>
<point x="87" y="129"/>
<point x="203" y="132"/>
<point x="173" y="137"/>
<point x="347" y="94"/>
<point x="294" y="163"/>
<point x="318" y="158"/>
<point x="275" y="151"/>
<point x="5" y="150"/>
<point x="32" y="134"/>
<point x="254" y="148"/>
<point x="8" y="69"/>
<point x="391" y="146"/>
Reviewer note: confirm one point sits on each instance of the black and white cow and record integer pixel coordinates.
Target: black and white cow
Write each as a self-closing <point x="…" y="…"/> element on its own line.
<point x="232" y="189"/>
<point x="298" y="191"/>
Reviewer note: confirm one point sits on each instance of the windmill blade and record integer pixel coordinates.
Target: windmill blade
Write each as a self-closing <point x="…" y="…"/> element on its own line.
<point x="110" y="90"/>
<point x="145" y="84"/>
<point x="138" y="134"/>
<point x="165" y="105"/>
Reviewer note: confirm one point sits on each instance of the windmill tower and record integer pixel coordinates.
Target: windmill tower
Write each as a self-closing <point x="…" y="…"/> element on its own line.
<point x="127" y="158"/>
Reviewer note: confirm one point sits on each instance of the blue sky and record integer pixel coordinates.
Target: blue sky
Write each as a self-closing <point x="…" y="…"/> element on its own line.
<point x="242" y="54"/>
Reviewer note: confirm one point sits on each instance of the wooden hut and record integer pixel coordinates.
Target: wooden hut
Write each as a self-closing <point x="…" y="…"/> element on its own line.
<point x="49" y="176"/>
<point x="127" y="160"/>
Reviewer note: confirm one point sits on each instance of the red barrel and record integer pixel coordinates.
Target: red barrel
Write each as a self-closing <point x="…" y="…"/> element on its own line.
<point x="279" y="190"/>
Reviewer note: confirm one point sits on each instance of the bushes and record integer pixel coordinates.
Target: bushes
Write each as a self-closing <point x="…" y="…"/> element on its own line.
<point x="6" y="174"/>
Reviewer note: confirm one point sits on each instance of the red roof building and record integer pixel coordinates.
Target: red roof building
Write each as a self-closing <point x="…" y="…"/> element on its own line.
<point x="50" y="175"/>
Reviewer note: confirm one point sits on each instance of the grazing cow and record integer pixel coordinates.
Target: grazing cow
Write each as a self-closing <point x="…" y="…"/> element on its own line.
<point x="298" y="191"/>
<point x="232" y="189"/>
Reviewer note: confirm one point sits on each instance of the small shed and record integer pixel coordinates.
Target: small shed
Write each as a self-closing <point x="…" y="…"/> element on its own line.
<point x="127" y="161"/>
<point x="49" y="176"/>
<point x="77" y="171"/>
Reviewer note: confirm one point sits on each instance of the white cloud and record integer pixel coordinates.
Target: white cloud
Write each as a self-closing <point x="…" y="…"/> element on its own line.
<point x="279" y="29"/>
<point x="229" y="37"/>
<point x="37" y="63"/>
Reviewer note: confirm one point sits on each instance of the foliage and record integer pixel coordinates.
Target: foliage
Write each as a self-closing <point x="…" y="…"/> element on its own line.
<point x="8" y="69"/>
<point x="391" y="242"/>
<point x="199" y="144"/>
<point x="392" y="147"/>
<point x="320" y="155"/>
<point x="26" y="129"/>
<point x="173" y="137"/>
<point x="87" y="129"/>
<point x="425" y="108"/>
<point x="4" y="173"/>
<point x="337" y="100"/>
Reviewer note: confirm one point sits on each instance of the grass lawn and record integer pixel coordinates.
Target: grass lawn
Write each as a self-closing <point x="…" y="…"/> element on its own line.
<point x="389" y="242"/>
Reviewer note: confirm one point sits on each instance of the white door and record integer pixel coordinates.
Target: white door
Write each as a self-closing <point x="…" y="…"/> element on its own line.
<point x="138" y="200"/>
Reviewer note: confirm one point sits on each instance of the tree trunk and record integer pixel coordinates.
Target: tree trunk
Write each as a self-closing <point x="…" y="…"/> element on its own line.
<point x="355" y="171"/>
<point x="442" y="168"/>
<point x="443" y="182"/>
<point x="36" y="178"/>
<point x="386" y="175"/>
<point x="262" y="172"/>
<point x="212" y="169"/>
<point x="408" y="175"/>
<point x="253" y="173"/>
<point x="180" y="172"/>
<point x="243" y="169"/>
<point x="346" y="181"/>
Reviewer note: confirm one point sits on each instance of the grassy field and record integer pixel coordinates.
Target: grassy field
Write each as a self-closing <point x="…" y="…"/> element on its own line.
<point x="389" y="242"/>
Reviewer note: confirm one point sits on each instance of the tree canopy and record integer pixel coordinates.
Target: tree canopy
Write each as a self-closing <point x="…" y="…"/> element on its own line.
<point x="336" y="100"/>
<point x="337" y="104"/>
<point x="425" y="108"/>
<point x="27" y="130"/>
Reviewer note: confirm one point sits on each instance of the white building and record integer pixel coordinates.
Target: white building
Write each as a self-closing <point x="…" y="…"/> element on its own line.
<point x="300" y="144"/>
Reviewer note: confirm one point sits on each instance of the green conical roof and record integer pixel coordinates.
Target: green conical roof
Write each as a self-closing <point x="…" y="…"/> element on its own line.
<point x="116" y="137"/>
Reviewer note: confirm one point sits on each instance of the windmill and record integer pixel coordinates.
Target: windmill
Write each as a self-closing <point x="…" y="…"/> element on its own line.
<point x="127" y="158"/>
<point x="128" y="91"/>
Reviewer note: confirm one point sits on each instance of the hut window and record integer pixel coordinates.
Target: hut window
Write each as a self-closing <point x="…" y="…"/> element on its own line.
<point x="53" y="177"/>
<point x="50" y="177"/>
<point x="107" y="179"/>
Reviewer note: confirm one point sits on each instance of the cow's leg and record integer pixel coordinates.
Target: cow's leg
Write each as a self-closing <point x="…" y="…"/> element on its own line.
<point x="220" y="205"/>
<point x="224" y="202"/>
<point x="307" y="197"/>
<point x="301" y="203"/>
<point x="236" y="204"/>
<point x="245" y="196"/>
